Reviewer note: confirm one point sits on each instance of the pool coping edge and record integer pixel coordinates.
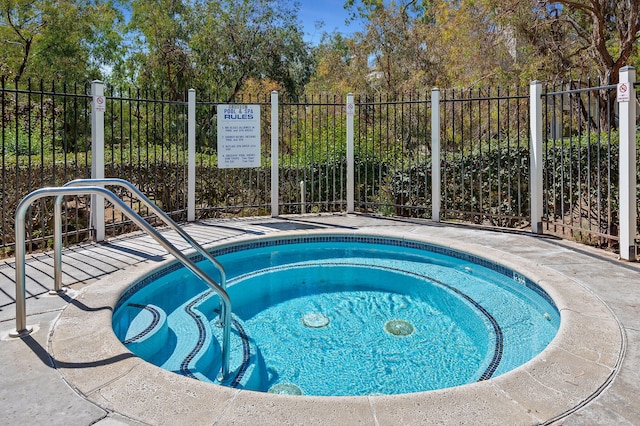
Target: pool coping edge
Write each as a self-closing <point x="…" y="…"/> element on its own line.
<point x="77" y="328"/>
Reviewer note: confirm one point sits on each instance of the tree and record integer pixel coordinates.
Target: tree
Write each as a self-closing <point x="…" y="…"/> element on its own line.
<point x="339" y="67"/>
<point x="500" y="41"/>
<point x="471" y="45"/>
<point x="394" y="53"/>
<point x="419" y="9"/>
<point x="606" y="29"/>
<point x="237" y="40"/>
<point x="216" y="46"/>
<point x="62" y="40"/>
<point x="161" y="58"/>
<point x="426" y="43"/>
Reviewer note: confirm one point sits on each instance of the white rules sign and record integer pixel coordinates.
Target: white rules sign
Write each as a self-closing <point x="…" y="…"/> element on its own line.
<point x="238" y="136"/>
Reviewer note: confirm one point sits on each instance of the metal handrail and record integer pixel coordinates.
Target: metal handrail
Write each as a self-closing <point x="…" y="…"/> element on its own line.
<point x="21" y="317"/>
<point x="57" y="234"/>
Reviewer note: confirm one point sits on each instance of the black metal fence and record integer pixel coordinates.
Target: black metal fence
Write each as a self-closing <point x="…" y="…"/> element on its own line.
<point x="230" y="192"/>
<point x="484" y="133"/>
<point x="312" y="154"/>
<point x="45" y="141"/>
<point x="145" y="142"/>
<point x="581" y="172"/>
<point x="311" y="148"/>
<point x="485" y="152"/>
<point x="392" y="150"/>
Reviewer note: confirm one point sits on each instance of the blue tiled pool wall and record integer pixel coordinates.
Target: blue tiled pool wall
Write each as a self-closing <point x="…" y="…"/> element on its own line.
<point x="390" y="241"/>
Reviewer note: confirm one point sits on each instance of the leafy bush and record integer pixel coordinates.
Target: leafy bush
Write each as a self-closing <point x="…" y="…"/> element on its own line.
<point x="17" y="142"/>
<point x="491" y="186"/>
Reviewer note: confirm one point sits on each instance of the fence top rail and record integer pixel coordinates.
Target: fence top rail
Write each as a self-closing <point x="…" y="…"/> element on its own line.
<point x="585" y="89"/>
<point x="44" y="92"/>
<point x="214" y="103"/>
<point x="485" y="98"/>
<point x="417" y="101"/>
<point x="152" y="101"/>
<point x="88" y="96"/>
<point x="280" y="102"/>
<point x="329" y="104"/>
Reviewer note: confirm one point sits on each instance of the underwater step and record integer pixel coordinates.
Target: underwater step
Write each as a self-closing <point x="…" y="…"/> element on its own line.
<point x="246" y="364"/>
<point x="188" y="339"/>
<point x="142" y="329"/>
<point x="192" y="343"/>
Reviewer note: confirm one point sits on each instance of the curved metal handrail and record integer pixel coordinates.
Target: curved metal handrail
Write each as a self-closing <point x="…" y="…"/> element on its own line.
<point x="21" y="318"/>
<point x="57" y="235"/>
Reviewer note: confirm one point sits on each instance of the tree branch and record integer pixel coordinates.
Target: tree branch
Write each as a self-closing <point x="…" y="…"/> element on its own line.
<point x="572" y="4"/>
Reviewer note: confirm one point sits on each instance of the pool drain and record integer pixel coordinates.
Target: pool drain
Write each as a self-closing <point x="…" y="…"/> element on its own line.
<point x="398" y="327"/>
<point x="315" y="320"/>
<point x="285" y="389"/>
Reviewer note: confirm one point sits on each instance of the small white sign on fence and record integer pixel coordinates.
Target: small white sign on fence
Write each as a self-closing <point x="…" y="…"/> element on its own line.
<point x="238" y="136"/>
<point x="351" y="108"/>
<point x="624" y="92"/>
<point x="99" y="103"/>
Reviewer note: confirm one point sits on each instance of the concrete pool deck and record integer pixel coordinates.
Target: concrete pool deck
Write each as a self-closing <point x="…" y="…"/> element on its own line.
<point x="72" y="370"/>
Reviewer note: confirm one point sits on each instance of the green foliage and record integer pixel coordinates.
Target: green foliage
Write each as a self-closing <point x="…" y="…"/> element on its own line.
<point x="237" y="40"/>
<point x="490" y="185"/>
<point x="215" y="47"/>
<point x="405" y="192"/>
<point x="21" y="142"/>
<point x="582" y="179"/>
<point x="69" y="40"/>
<point x="393" y="54"/>
<point x="218" y="46"/>
<point x="319" y="144"/>
<point x="160" y="59"/>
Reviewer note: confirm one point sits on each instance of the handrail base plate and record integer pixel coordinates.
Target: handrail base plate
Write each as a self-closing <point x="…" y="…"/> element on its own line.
<point x="21" y="333"/>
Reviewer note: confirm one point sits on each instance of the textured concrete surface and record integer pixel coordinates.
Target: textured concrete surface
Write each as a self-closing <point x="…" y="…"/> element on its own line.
<point x="72" y="370"/>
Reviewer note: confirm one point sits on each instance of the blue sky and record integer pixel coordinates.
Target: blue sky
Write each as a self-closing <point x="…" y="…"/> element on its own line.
<point x="331" y="12"/>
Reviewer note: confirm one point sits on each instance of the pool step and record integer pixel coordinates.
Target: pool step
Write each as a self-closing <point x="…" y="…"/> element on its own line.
<point x="188" y="341"/>
<point x="143" y="329"/>
<point x="246" y="365"/>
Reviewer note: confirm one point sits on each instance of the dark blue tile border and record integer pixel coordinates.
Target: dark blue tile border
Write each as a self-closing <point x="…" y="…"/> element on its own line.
<point x="202" y="334"/>
<point x="246" y="353"/>
<point x="154" y="322"/>
<point x="146" y="281"/>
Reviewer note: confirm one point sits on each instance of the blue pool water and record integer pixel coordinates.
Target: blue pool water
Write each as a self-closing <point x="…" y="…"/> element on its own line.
<point x="341" y="315"/>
